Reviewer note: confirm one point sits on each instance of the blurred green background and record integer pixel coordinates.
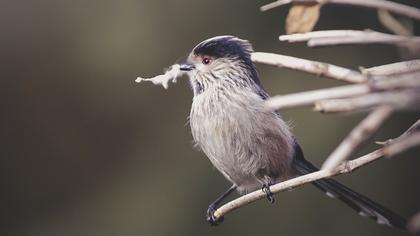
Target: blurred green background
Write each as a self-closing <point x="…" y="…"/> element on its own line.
<point x="86" y="151"/>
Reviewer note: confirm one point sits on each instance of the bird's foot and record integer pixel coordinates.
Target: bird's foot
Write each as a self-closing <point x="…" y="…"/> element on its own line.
<point x="211" y="218"/>
<point x="269" y="195"/>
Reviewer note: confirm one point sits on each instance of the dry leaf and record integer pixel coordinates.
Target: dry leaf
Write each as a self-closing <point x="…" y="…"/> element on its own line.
<point x="302" y="18"/>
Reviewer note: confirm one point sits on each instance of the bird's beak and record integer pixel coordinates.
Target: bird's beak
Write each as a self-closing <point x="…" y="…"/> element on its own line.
<point x="186" y="66"/>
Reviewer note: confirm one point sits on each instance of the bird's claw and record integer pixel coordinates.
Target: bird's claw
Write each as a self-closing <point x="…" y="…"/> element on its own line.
<point x="211" y="218"/>
<point x="269" y="195"/>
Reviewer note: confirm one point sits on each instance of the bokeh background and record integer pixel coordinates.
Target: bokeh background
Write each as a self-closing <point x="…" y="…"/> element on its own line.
<point x="86" y="151"/>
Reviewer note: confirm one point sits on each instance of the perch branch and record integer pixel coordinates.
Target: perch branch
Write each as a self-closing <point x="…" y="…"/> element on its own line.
<point x="312" y="67"/>
<point x="295" y="182"/>
<point x="346" y="167"/>
<point x="298" y="181"/>
<point x="357" y="137"/>
<point x="392" y="7"/>
<point x="344" y="37"/>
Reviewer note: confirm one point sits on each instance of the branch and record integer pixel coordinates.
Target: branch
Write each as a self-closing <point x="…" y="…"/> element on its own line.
<point x="310" y="97"/>
<point x="345" y="37"/>
<point x="410" y="138"/>
<point x="357" y="136"/>
<point x="298" y="181"/>
<point x="311" y="67"/>
<point x="413" y="128"/>
<point x="344" y="168"/>
<point x="332" y="71"/>
<point x="399" y="100"/>
<point x="394" y="68"/>
<point x="407" y="81"/>
<point x="392" y="24"/>
<point x="392" y="7"/>
<point x="403" y="144"/>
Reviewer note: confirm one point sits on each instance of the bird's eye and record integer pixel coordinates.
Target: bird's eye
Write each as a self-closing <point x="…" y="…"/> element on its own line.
<point x="206" y="61"/>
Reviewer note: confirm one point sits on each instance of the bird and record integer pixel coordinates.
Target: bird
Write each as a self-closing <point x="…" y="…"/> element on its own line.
<point x="252" y="147"/>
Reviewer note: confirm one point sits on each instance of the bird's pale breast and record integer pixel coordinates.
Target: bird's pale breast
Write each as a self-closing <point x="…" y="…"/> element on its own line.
<point x="248" y="145"/>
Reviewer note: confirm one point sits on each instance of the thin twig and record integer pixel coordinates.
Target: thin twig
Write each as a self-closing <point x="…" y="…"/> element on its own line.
<point x="400" y="81"/>
<point x="312" y="67"/>
<point x="408" y="99"/>
<point x="344" y="37"/>
<point x="392" y="24"/>
<point x="394" y="68"/>
<point x="403" y="144"/>
<point x="303" y="37"/>
<point x="362" y="132"/>
<point x="377" y="4"/>
<point x="413" y="128"/>
<point x="407" y="81"/>
<point x="409" y="139"/>
<point x="310" y="97"/>
<point x="332" y="71"/>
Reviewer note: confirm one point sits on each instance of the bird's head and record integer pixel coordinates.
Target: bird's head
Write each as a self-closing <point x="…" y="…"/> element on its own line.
<point x="221" y="58"/>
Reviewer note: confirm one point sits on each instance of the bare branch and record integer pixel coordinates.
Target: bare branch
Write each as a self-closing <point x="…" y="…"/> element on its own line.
<point x="357" y="136"/>
<point x="344" y="37"/>
<point x="312" y="67"/>
<point x="413" y="128"/>
<point x="303" y="37"/>
<point x="401" y="81"/>
<point x="399" y="100"/>
<point x="394" y="68"/>
<point x="298" y="181"/>
<point x="377" y="4"/>
<point x="332" y="71"/>
<point x="390" y="22"/>
<point x="407" y="81"/>
<point x="310" y="97"/>
<point x="409" y="139"/>
<point x="404" y="143"/>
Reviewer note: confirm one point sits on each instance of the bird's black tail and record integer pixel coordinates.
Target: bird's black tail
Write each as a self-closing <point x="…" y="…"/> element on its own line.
<point x="363" y="205"/>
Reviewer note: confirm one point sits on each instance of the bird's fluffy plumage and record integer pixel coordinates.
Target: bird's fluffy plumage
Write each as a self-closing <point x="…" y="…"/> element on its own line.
<point x="249" y="145"/>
